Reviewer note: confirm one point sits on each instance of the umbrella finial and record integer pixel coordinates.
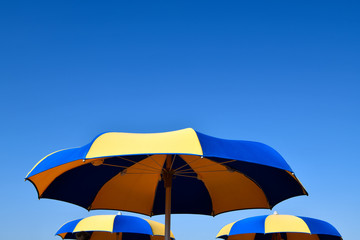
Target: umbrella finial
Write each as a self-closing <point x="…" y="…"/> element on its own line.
<point x="119" y="213"/>
<point x="276" y="213"/>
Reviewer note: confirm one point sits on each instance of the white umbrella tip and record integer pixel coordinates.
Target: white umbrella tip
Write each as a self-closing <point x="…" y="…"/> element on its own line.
<point x="119" y="213"/>
<point x="276" y="213"/>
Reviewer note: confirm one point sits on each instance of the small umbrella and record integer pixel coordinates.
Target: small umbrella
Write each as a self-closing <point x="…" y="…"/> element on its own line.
<point x="279" y="227"/>
<point x="173" y="172"/>
<point x="113" y="227"/>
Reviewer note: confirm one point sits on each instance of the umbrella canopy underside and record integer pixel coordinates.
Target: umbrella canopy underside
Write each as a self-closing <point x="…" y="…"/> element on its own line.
<point x="124" y="171"/>
<point x="134" y="183"/>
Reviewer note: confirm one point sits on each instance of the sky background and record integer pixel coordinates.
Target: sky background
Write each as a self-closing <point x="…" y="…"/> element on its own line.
<point x="285" y="73"/>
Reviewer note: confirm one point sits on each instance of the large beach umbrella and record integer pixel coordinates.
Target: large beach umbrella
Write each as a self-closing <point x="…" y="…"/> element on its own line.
<point x="113" y="227"/>
<point x="279" y="227"/>
<point x="173" y="172"/>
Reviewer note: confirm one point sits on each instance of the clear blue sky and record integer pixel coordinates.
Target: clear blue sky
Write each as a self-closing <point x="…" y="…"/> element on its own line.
<point x="285" y="73"/>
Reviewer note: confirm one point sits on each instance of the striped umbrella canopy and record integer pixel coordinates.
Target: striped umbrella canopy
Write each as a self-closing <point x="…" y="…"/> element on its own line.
<point x="113" y="227"/>
<point x="279" y="227"/>
<point x="155" y="173"/>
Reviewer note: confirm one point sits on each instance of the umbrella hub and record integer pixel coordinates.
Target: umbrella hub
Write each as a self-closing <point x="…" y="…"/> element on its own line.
<point x="167" y="176"/>
<point x="168" y="172"/>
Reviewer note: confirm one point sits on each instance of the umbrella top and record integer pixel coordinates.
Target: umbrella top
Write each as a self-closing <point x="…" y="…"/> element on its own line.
<point x="113" y="224"/>
<point x="185" y="142"/>
<point x="278" y="224"/>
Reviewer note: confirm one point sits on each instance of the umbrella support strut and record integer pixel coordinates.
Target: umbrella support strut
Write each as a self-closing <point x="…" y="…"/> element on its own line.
<point x="167" y="176"/>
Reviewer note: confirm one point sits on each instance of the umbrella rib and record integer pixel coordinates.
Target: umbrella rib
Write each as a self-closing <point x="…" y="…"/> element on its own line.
<point x="215" y="164"/>
<point x="182" y="175"/>
<point x="138" y="163"/>
<point x="211" y="171"/>
<point x="186" y="171"/>
<point x="155" y="161"/>
<point x="176" y="170"/>
<point x="111" y="165"/>
<point x="187" y="164"/>
<point x="173" y="160"/>
<point x="195" y="169"/>
<point x="142" y="173"/>
<point x="148" y="171"/>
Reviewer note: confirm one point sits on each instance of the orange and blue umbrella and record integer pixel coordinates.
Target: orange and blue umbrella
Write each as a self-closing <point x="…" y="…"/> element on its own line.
<point x="113" y="227"/>
<point x="279" y="227"/>
<point x="173" y="172"/>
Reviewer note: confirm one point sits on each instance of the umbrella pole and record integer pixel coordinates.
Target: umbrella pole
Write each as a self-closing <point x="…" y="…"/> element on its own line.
<point x="167" y="211"/>
<point x="168" y="175"/>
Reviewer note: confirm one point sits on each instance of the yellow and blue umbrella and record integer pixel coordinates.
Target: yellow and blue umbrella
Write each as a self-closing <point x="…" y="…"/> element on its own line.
<point x="279" y="227"/>
<point x="114" y="227"/>
<point x="155" y="173"/>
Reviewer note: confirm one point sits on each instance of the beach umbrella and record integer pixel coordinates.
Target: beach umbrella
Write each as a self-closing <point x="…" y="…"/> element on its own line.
<point x="113" y="227"/>
<point x="161" y="173"/>
<point x="279" y="227"/>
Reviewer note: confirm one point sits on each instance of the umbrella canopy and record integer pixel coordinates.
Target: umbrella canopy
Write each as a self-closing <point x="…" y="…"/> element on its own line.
<point x="182" y="171"/>
<point x="114" y="227"/>
<point x="279" y="227"/>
